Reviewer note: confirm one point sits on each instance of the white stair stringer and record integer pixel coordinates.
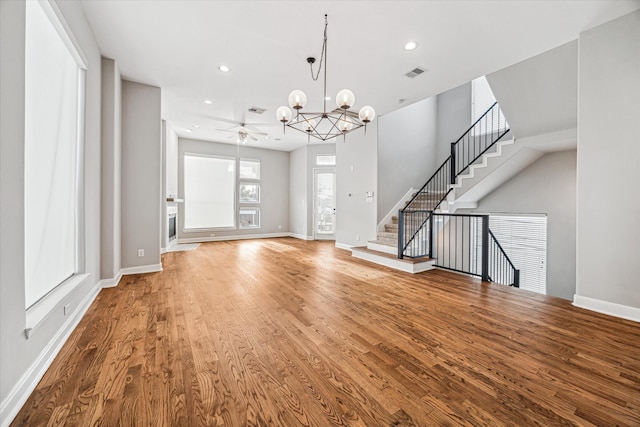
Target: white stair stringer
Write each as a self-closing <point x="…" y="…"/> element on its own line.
<point x="492" y="171"/>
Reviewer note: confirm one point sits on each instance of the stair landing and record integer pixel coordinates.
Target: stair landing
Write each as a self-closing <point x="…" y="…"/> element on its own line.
<point x="408" y="265"/>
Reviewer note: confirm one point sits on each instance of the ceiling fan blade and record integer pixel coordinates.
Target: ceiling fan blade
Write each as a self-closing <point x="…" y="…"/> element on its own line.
<point x="227" y="130"/>
<point x="223" y="120"/>
<point x="254" y="129"/>
<point x="252" y="137"/>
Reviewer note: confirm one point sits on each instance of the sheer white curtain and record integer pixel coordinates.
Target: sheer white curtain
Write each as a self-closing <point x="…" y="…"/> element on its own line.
<point x="52" y="108"/>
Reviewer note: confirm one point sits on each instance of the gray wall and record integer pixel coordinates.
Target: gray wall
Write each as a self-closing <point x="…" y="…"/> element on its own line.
<point x="110" y="232"/>
<point x="17" y="353"/>
<point x="454" y="118"/>
<point x="355" y="175"/>
<point x="274" y="186"/>
<point x="406" y="151"/>
<point x="539" y="95"/>
<point x="608" y="155"/>
<point x="548" y="187"/>
<point x="141" y="174"/>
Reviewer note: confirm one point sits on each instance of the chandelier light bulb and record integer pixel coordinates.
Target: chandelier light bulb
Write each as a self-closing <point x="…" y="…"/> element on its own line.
<point x="345" y="99"/>
<point x="284" y="114"/>
<point x="297" y="99"/>
<point x="345" y="125"/>
<point x="367" y="113"/>
<point x="310" y="125"/>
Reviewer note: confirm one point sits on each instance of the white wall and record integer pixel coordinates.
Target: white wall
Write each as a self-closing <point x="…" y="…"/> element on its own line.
<point x="538" y="95"/>
<point x="141" y="175"/>
<point x="406" y="151"/>
<point x="608" y="198"/>
<point x="548" y="187"/>
<point x="110" y="235"/>
<point x="22" y="359"/>
<point x="356" y="174"/>
<point x="274" y="187"/>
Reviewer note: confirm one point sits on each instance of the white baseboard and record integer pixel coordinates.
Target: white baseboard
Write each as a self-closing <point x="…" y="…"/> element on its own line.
<point x="111" y="283"/>
<point x="237" y="237"/>
<point x="12" y="404"/>
<point x="343" y="246"/>
<point x="152" y="268"/>
<point x="300" y="236"/>
<point x="606" y="307"/>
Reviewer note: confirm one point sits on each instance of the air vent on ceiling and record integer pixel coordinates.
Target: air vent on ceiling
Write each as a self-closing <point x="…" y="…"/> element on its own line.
<point x="415" y="72"/>
<point x="257" y="110"/>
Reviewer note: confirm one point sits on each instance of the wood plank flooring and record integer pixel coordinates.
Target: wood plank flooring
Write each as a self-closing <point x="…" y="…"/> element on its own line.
<point x="285" y="332"/>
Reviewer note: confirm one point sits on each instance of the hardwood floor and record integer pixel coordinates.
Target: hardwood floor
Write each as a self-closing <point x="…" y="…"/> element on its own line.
<point x="289" y="333"/>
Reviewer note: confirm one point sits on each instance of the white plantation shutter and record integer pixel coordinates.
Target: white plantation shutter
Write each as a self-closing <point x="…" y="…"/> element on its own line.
<point x="524" y="239"/>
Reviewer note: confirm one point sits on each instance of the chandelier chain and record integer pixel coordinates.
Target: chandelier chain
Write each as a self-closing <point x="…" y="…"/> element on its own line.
<point x="322" y="55"/>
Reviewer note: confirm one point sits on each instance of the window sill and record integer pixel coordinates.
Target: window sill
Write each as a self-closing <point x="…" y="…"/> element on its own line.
<point x="37" y="313"/>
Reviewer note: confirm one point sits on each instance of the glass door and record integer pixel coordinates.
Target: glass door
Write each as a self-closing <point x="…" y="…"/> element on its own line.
<point x="324" y="212"/>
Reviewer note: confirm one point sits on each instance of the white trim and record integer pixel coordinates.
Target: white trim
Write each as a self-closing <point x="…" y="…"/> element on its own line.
<point x="19" y="394"/>
<point x="152" y="268"/>
<point x="606" y="307"/>
<point x="396" y="264"/>
<point x="344" y="246"/>
<point x="237" y="237"/>
<point x="300" y="236"/>
<point x="394" y="210"/>
<point x="111" y="283"/>
<point x="38" y="313"/>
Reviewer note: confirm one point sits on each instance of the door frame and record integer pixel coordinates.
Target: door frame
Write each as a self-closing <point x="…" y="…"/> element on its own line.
<point x="316" y="235"/>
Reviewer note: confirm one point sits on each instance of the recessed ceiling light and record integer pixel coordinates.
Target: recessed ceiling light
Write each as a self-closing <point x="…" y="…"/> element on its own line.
<point x="188" y="130"/>
<point x="327" y="98"/>
<point x="266" y="137"/>
<point x="223" y="68"/>
<point x="196" y="126"/>
<point x="411" y="46"/>
<point x="208" y="101"/>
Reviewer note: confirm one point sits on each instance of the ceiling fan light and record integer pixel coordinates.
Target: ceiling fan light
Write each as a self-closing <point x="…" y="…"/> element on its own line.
<point x="367" y="114"/>
<point x="297" y="99"/>
<point x="345" y="99"/>
<point x="284" y="114"/>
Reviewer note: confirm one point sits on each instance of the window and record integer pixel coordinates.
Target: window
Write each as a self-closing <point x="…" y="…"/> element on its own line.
<point x="249" y="169"/>
<point x="249" y="217"/>
<point x="209" y="192"/>
<point x="325" y="160"/>
<point x="53" y="169"/>
<point x="482" y="99"/>
<point x="249" y="192"/>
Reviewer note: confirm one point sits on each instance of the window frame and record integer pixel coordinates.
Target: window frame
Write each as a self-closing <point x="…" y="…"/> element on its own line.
<point x="246" y="208"/>
<point x="257" y="184"/>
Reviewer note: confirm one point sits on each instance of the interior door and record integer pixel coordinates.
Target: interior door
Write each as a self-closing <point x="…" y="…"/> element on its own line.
<point x="324" y="210"/>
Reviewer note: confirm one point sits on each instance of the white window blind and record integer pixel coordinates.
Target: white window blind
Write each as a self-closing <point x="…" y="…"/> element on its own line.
<point x="54" y="111"/>
<point x="249" y="169"/>
<point x="209" y="192"/>
<point x="482" y="99"/>
<point x="524" y="240"/>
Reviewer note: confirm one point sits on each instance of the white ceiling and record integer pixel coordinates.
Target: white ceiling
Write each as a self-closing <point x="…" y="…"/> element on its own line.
<point x="178" y="46"/>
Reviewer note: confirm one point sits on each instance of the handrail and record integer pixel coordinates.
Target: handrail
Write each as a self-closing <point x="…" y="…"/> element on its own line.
<point x="505" y="270"/>
<point x="464" y="152"/>
<point x="476" y="122"/>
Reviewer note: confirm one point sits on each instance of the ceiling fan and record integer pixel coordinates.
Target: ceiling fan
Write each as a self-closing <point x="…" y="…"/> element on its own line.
<point x="244" y="132"/>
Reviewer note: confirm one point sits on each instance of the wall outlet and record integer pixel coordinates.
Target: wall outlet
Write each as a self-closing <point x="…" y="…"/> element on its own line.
<point x="212" y="235"/>
<point x="140" y="253"/>
<point x="280" y="227"/>
<point x="357" y="237"/>
<point x="65" y="309"/>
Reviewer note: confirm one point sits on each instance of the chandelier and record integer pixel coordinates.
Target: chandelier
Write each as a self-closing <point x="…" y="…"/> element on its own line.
<point x="328" y="124"/>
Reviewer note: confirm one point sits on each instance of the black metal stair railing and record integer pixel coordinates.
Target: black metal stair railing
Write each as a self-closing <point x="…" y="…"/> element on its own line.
<point x="464" y="243"/>
<point x="483" y="134"/>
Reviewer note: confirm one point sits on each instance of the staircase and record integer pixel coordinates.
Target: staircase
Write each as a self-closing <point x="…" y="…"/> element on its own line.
<point x="410" y="234"/>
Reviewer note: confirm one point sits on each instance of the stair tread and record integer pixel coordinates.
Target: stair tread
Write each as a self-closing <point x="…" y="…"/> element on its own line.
<point x="389" y="256"/>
